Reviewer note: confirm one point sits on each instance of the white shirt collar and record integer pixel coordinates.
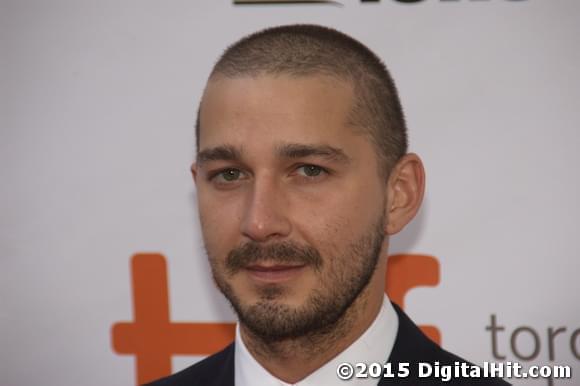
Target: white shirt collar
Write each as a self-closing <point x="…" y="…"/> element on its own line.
<point x="374" y="345"/>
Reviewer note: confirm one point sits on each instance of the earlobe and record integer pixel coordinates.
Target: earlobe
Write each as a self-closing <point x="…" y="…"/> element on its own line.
<point x="405" y="191"/>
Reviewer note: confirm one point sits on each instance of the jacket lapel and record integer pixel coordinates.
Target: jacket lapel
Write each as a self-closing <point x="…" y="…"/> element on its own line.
<point x="411" y="346"/>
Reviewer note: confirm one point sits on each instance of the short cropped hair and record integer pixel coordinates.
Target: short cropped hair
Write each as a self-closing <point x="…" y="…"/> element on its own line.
<point x="304" y="50"/>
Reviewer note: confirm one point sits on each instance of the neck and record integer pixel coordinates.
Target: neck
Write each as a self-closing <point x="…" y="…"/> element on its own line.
<point x="292" y="360"/>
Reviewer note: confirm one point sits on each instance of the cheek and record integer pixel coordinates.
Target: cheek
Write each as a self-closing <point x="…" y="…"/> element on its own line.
<point x="335" y="223"/>
<point x="219" y="224"/>
<point x="339" y="213"/>
<point x="329" y="233"/>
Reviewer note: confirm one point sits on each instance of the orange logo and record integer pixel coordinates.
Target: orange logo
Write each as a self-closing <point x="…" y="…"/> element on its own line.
<point x="153" y="338"/>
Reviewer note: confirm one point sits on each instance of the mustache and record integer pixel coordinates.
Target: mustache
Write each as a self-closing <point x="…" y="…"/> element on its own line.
<point x="284" y="252"/>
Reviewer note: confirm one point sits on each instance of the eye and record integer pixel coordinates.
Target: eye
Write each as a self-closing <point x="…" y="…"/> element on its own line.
<point x="310" y="170"/>
<point x="227" y="175"/>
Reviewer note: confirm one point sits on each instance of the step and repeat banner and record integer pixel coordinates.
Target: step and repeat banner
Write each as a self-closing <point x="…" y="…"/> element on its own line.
<point x="104" y="279"/>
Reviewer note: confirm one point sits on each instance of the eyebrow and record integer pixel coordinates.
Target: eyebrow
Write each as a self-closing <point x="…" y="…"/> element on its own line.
<point x="289" y="150"/>
<point x="297" y="150"/>
<point x="219" y="153"/>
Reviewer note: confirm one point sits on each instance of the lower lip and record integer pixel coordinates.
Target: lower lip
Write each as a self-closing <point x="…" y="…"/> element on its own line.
<point x="275" y="275"/>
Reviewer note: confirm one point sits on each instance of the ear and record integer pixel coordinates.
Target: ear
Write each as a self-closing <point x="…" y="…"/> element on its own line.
<point x="406" y="186"/>
<point x="193" y="169"/>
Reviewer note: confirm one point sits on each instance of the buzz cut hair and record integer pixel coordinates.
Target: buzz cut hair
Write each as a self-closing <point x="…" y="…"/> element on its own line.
<point x="307" y="50"/>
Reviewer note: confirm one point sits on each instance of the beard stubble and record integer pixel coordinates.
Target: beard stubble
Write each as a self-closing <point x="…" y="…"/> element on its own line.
<point x="342" y="279"/>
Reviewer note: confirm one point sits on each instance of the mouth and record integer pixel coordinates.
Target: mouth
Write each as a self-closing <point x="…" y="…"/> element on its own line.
<point x="274" y="273"/>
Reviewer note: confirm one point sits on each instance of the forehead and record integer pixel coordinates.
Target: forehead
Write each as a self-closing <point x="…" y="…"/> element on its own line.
<point x="249" y="110"/>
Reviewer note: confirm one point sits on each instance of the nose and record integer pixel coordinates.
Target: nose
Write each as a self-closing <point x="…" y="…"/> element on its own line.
<point x="265" y="216"/>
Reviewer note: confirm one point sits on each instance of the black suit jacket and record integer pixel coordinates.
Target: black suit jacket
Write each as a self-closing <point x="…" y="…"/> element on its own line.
<point x="411" y="346"/>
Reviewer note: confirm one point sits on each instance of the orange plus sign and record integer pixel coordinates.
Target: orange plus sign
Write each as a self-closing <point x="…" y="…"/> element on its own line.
<point x="152" y="337"/>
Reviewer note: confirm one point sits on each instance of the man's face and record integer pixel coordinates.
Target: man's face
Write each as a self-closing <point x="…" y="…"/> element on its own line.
<point x="291" y="204"/>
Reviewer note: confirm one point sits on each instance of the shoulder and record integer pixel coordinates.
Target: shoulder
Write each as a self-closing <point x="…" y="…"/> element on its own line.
<point x="217" y="369"/>
<point x="416" y="349"/>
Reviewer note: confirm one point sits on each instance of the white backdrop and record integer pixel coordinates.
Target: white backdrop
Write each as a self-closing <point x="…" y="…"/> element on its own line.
<point x="98" y="100"/>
